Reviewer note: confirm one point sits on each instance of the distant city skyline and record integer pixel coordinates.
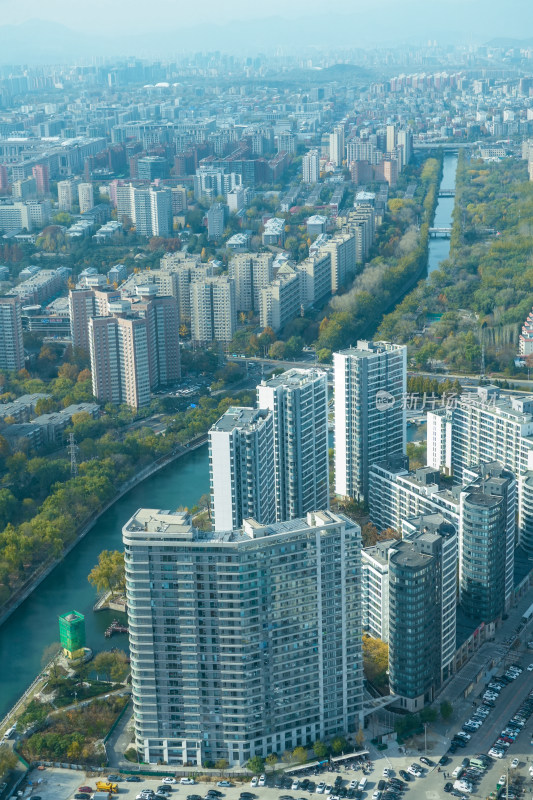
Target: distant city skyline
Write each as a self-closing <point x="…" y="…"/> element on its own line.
<point x="454" y="21"/>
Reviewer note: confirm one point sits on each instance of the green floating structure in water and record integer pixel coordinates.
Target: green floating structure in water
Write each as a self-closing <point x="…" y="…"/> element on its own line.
<point x="72" y="634"/>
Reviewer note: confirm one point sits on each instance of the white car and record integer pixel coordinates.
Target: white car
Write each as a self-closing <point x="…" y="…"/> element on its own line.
<point x="169" y="780"/>
<point x="328" y="789"/>
<point x="187" y="782"/>
<point x="224" y="784"/>
<point x="295" y="785"/>
<point x="322" y="786"/>
<point x="463" y="735"/>
<point x="495" y="753"/>
<point x="530" y="668"/>
<point x="353" y="785"/>
<point x="386" y="773"/>
<point x="514" y="763"/>
<point x="254" y="781"/>
<point x="262" y="780"/>
<point x="412" y="771"/>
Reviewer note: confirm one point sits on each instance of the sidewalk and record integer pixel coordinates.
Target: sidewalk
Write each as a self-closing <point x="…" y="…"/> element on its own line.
<point x="477" y="671"/>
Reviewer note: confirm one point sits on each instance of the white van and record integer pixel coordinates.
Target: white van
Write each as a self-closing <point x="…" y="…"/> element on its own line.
<point x="457" y="771"/>
<point x="10" y="731"/>
<point x="362" y="783"/>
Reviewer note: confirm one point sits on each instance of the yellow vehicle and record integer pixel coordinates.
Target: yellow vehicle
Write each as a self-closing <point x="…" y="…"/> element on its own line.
<point x="107" y="786"/>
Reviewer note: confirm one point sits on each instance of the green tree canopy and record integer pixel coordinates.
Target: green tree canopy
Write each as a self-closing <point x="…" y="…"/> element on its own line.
<point x="109" y="574"/>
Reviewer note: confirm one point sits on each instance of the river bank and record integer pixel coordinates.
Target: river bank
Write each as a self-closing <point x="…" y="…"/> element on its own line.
<point x="35" y="580"/>
<point x="33" y="625"/>
<point x="436" y="249"/>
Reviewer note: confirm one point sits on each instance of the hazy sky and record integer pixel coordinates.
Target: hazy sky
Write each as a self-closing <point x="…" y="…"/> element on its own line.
<point x="135" y="16"/>
<point x="131" y="15"/>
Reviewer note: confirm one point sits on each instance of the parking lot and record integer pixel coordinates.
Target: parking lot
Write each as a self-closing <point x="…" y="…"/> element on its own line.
<point x="63" y="784"/>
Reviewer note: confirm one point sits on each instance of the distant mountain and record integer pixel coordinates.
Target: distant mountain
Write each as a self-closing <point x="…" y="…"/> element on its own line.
<point x="43" y="42"/>
<point x="388" y="23"/>
<point x="508" y="42"/>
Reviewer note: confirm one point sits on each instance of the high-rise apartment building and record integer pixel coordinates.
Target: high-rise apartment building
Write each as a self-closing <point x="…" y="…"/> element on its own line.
<point x="213" y="310"/>
<point x="415" y="614"/>
<point x="161" y="212"/>
<point x="42" y="179"/>
<point x="370" y="384"/>
<point x="221" y="669"/>
<point x="492" y="427"/>
<point x="11" y="343"/>
<point x="405" y="141"/>
<point x="342" y="250"/>
<point x="486" y="549"/>
<point x="311" y="167"/>
<point x="375" y="589"/>
<point x="119" y="360"/>
<point x="281" y="300"/>
<point x="433" y="532"/>
<point x="85" y="197"/>
<point x="483" y="428"/>
<point x="360" y="150"/>
<point x="298" y="400"/>
<point x="84" y="304"/>
<point x="4" y="179"/>
<point x="336" y="146"/>
<point x="66" y="194"/>
<point x="241" y="468"/>
<point x="187" y="270"/>
<point x="162" y="322"/>
<point x="391" y="138"/>
<point x="149" y="209"/>
<point x="153" y="211"/>
<point x="487" y="538"/>
<point x="216" y="217"/>
<point x="251" y="273"/>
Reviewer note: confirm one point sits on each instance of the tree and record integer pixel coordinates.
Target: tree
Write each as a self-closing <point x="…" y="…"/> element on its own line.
<point x="110" y="573"/>
<point x="8" y="760"/>
<point x="222" y="764"/>
<point x="277" y="350"/>
<point x="375" y="660"/>
<point x="8" y="504"/>
<point x="428" y="714"/>
<point x="112" y="663"/>
<point x="256" y="764"/>
<point x="272" y="759"/>
<point x="446" y="710"/>
<point x="360" y="737"/>
<point x="320" y="749"/>
<point x="299" y="754"/>
<point x="339" y="745"/>
<point x="369" y="534"/>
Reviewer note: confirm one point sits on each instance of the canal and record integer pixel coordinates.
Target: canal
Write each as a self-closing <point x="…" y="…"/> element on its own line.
<point x="34" y="626"/>
<point x="439" y="249"/>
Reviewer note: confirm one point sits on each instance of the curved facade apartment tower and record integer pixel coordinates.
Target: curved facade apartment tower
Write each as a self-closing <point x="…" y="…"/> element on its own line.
<point x="487" y="530"/>
<point x="242" y="642"/>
